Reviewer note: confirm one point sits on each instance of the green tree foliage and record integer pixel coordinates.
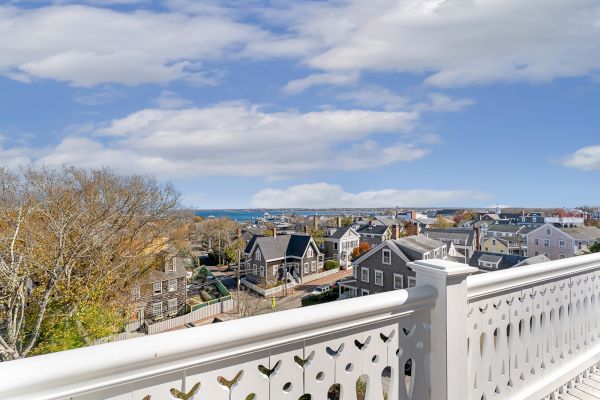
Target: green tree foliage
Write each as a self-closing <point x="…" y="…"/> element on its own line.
<point x="595" y="247"/>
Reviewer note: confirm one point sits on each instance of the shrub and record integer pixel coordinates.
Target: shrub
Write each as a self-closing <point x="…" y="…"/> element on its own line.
<point x="325" y="297"/>
<point x="331" y="264"/>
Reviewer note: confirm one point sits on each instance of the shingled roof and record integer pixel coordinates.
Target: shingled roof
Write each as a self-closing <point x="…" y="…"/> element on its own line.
<point x="273" y="248"/>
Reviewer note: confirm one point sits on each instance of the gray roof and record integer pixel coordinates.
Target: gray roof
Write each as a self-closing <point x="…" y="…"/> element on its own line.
<point x="388" y="221"/>
<point x="587" y="233"/>
<point x="339" y="232"/>
<point x="463" y="235"/>
<point x="373" y="229"/>
<point x="506" y="260"/>
<point x="533" y="260"/>
<point x="419" y="243"/>
<point x="505" y="228"/>
<point x="273" y="248"/>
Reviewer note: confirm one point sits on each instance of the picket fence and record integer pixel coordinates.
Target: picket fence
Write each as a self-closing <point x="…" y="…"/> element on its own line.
<point x="196" y="315"/>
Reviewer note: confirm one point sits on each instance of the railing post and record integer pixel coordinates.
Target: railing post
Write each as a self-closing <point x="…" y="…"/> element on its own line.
<point x="448" y="360"/>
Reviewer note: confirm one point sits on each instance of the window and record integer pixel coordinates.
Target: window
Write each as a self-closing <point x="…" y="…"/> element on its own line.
<point x="537" y="242"/>
<point x="157" y="286"/>
<point x="398" y="281"/>
<point x="171" y="265"/>
<point x="493" y="242"/>
<point x="364" y="274"/>
<point x="274" y="270"/>
<point x="157" y="310"/>
<point x="537" y="253"/>
<point x="306" y="268"/>
<point x="386" y="256"/>
<point x="548" y="232"/>
<point x="172" y="306"/>
<point x="335" y="245"/>
<point x="309" y="253"/>
<point x="313" y="266"/>
<point x="254" y="269"/>
<point x="561" y="256"/>
<point x="262" y="270"/>
<point x="172" y="285"/>
<point x="135" y="293"/>
<point x="562" y="244"/>
<point x="378" y="277"/>
<point x="258" y="255"/>
<point x="412" y="281"/>
<point x="546" y="242"/>
<point x="364" y="292"/>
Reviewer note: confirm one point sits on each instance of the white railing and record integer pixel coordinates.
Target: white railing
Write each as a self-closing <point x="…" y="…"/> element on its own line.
<point x="267" y="292"/>
<point x="314" y="277"/>
<point x="533" y="329"/>
<point x="527" y="333"/>
<point x="274" y="356"/>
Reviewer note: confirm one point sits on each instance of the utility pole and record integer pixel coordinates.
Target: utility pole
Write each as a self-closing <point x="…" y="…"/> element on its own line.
<point x="238" y="281"/>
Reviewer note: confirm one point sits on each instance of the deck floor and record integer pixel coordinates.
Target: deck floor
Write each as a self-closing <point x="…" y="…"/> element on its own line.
<point x="588" y="389"/>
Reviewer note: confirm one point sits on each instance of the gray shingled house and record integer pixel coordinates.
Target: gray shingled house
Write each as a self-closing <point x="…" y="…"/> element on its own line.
<point x="268" y="258"/>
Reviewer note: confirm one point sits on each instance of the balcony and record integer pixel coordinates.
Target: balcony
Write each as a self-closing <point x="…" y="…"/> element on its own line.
<point x="531" y="333"/>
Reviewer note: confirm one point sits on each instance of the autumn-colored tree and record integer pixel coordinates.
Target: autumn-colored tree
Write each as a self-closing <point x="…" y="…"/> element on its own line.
<point x="71" y="242"/>
<point x="441" y="222"/>
<point x="362" y="248"/>
<point x="410" y="229"/>
<point x="216" y="235"/>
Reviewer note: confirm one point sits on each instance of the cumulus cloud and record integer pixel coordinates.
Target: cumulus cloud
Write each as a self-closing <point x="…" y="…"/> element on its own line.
<point x="325" y="195"/>
<point x="453" y="43"/>
<point x="330" y="78"/>
<point x="241" y="139"/>
<point x="86" y="45"/>
<point x="586" y="158"/>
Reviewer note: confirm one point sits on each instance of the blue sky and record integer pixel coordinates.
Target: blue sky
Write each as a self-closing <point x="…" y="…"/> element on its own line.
<point x="345" y="103"/>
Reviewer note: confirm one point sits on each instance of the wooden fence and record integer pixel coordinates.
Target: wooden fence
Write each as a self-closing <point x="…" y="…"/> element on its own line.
<point x="196" y="315"/>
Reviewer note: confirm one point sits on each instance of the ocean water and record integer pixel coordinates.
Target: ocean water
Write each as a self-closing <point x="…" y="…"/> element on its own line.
<point x="250" y="215"/>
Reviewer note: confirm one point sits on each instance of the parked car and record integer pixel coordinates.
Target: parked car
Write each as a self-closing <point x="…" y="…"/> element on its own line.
<point x="320" y="289"/>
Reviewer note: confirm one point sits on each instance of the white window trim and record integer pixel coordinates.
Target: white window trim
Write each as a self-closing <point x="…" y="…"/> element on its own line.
<point x="172" y="285"/>
<point x="306" y="268"/>
<point x="275" y="270"/>
<point x="261" y="271"/>
<point x="156" y="291"/>
<point x="412" y="281"/>
<point x="313" y="266"/>
<point x="364" y="292"/>
<point x="171" y="309"/>
<point x="379" y="272"/>
<point x="160" y="308"/>
<point x="401" y="281"/>
<point x="362" y="270"/>
<point x="258" y="255"/>
<point x="136" y="293"/>
<point x="383" y="253"/>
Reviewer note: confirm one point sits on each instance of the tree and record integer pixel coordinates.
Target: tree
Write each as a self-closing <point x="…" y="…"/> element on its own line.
<point x="216" y="235"/>
<point x="347" y="221"/>
<point x="71" y="241"/>
<point x="318" y="235"/>
<point x="441" y="222"/>
<point x="595" y="247"/>
<point x="410" y="228"/>
<point x="362" y="248"/>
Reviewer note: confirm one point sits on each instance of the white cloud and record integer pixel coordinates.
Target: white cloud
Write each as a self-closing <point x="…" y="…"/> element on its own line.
<point x="453" y="43"/>
<point x="375" y="96"/>
<point x="238" y="139"/>
<point x="330" y="78"/>
<point x="322" y="195"/>
<point x="169" y="99"/>
<point x="586" y="158"/>
<point x="87" y="46"/>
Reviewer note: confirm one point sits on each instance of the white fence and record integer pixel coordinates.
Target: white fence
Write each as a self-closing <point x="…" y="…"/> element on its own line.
<point x="265" y="292"/>
<point x="196" y="315"/>
<point x="310" y="278"/>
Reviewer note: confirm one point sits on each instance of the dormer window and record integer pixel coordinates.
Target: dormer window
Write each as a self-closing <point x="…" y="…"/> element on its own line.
<point x="170" y="267"/>
<point x="309" y="253"/>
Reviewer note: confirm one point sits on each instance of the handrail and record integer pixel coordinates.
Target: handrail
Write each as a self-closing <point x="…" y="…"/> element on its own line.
<point x="69" y="373"/>
<point x="492" y="283"/>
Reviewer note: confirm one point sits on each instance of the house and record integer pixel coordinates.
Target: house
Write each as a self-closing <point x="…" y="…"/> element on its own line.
<point x="489" y="261"/>
<point x="386" y="220"/>
<point x="374" y="234"/>
<point x="270" y="259"/>
<point x="339" y="245"/>
<point x="557" y="242"/>
<point x="161" y="293"/>
<point x="513" y="237"/>
<point x="385" y="267"/>
<point x="464" y="239"/>
<point x="496" y="245"/>
<point x="596" y="215"/>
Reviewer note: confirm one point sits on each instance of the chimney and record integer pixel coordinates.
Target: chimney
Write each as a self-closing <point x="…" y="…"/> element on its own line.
<point x="315" y="223"/>
<point x="338" y="222"/>
<point x="238" y="233"/>
<point x="274" y="232"/>
<point x="417" y="228"/>
<point x="306" y="229"/>
<point x="396" y="232"/>
<point x="477" y="238"/>
<point x="413" y="214"/>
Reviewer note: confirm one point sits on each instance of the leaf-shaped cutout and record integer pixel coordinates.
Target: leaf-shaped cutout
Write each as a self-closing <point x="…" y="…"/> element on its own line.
<point x="229" y="383"/>
<point x="185" y="396"/>
<point x="334" y="353"/>
<point x="304" y="361"/>
<point x="409" y="332"/>
<point x="148" y="397"/>
<point x="360" y="345"/>
<point x="268" y="372"/>
<point x="251" y="396"/>
<point x="386" y="339"/>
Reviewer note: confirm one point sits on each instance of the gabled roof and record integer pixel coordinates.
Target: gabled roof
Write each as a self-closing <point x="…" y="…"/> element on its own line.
<point x="250" y="244"/>
<point x="505" y="228"/>
<point x="340" y="232"/>
<point x="504" y="261"/>
<point x="274" y="248"/>
<point x="418" y="243"/>
<point x="587" y="233"/>
<point x="373" y="229"/>
<point x="464" y="235"/>
<point x="388" y="221"/>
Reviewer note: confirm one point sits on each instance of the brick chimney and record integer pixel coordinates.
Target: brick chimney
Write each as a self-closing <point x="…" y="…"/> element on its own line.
<point x="417" y="228"/>
<point x="315" y="223"/>
<point x="396" y="232"/>
<point x="338" y="222"/>
<point x="306" y="229"/>
<point x="370" y="222"/>
<point x="413" y="214"/>
<point x="477" y="238"/>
